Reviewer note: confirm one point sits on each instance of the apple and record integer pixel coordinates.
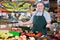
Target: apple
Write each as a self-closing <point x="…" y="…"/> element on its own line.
<point x="56" y="35"/>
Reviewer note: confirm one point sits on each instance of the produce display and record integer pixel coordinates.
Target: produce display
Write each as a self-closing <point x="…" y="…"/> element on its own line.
<point x="5" y="35"/>
<point x="14" y="6"/>
<point x="15" y="34"/>
<point x="33" y="35"/>
<point x="8" y="5"/>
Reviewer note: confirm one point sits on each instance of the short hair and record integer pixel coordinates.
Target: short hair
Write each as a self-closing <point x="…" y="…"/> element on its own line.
<point x="40" y="2"/>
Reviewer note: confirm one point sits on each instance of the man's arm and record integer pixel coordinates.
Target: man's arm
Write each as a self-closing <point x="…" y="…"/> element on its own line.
<point x="48" y="19"/>
<point x="27" y="23"/>
<point x="20" y="23"/>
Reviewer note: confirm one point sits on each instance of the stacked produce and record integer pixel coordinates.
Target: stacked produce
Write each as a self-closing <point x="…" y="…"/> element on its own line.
<point x="8" y="5"/>
<point x="14" y="34"/>
<point x="13" y="6"/>
<point x="5" y="35"/>
<point x="24" y="6"/>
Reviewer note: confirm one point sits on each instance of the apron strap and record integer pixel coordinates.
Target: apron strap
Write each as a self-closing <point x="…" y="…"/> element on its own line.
<point x="43" y="13"/>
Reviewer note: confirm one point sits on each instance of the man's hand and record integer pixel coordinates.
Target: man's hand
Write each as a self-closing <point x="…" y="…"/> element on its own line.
<point x="48" y="25"/>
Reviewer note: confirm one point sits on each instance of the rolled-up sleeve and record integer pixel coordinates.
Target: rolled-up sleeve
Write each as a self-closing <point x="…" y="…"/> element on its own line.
<point x="47" y="17"/>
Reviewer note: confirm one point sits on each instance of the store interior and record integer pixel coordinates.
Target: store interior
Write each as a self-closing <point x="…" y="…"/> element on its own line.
<point x="13" y="11"/>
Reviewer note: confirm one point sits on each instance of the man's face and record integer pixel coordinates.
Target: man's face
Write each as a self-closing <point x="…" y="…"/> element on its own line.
<point x="40" y="6"/>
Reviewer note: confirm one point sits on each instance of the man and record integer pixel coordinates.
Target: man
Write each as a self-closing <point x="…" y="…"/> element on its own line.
<point x="40" y="19"/>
